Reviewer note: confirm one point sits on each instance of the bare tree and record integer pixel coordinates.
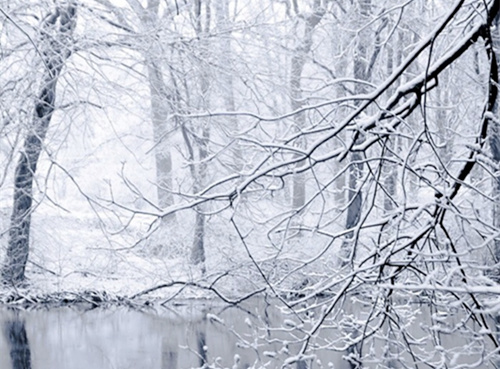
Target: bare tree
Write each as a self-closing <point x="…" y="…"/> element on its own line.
<point x="54" y="48"/>
<point x="202" y="18"/>
<point x="417" y="232"/>
<point x="428" y="243"/>
<point x="306" y="23"/>
<point x="494" y="141"/>
<point x="160" y="97"/>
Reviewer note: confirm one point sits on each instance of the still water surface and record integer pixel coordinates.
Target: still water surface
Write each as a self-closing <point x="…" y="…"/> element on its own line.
<point x="189" y="336"/>
<point x="192" y="335"/>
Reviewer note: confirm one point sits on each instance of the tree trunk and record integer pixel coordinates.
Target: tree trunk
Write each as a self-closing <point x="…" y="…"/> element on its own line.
<point x="163" y="158"/>
<point x="354" y="194"/>
<point x="200" y="169"/>
<point x="159" y="108"/>
<point x="224" y="26"/>
<point x="390" y="170"/>
<point x="198" y="248"/>
<point x="494" y="141"/>
<point x="55" y="49"/>
<point x="299" y="120"/>
<point x="361" y="72"/>
<point x="296" y="98"/>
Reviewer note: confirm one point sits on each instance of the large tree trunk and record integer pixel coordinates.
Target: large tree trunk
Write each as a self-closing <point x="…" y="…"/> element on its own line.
<point x="54" y="49"/>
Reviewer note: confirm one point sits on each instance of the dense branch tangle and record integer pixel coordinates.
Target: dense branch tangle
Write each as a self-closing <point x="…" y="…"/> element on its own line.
<point x="436" y="236"/>
<point x="422" y="238"/>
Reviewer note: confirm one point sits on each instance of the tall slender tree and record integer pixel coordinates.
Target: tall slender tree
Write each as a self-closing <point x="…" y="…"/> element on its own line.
<point x="494" y="141"/>
<point x="306" y="22"/>
<point x="160" y="97"/>
<point x="54" y="47"/>
<point x="362" y="70"/>
<point x="202" y="19"/>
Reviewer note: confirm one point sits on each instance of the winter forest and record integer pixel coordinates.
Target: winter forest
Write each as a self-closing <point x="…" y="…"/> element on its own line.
<point x="339" y="158"/>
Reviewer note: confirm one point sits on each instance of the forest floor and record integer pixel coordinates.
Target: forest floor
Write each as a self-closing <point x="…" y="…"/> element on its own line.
<point x="78" y="257"/>
<point x="74" y="260"/>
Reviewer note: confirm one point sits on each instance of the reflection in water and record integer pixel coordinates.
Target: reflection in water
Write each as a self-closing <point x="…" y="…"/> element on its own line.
<point x="202" y="352"/>
<point x="18" y="344"/>
<point x="391" y="351"/>
<point x="301" y="364"/>
<point x="169" y="359"/>
<point x="201" y="340"/>
<point x="352" y="355"/>
<point x="198" y="336"/>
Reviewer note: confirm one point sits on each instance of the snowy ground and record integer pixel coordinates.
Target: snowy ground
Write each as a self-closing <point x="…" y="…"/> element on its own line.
<point x="73" y="253"/>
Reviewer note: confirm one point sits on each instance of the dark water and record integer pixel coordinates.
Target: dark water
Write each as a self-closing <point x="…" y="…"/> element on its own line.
<point x="194" y="335"/>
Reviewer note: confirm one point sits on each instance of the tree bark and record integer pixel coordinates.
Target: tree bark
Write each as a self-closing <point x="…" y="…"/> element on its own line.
<point x="354" y="194"/>
<point x="163" y="158"/>
<point x="203" y="139"/>
<point x="390" y="170"/>
<point x="223" y="24"/>
<point x="296" y="97"/>
<point x="54" y="49"/>
<point x="159" y="109"/>
<point x="494" y="141"/>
